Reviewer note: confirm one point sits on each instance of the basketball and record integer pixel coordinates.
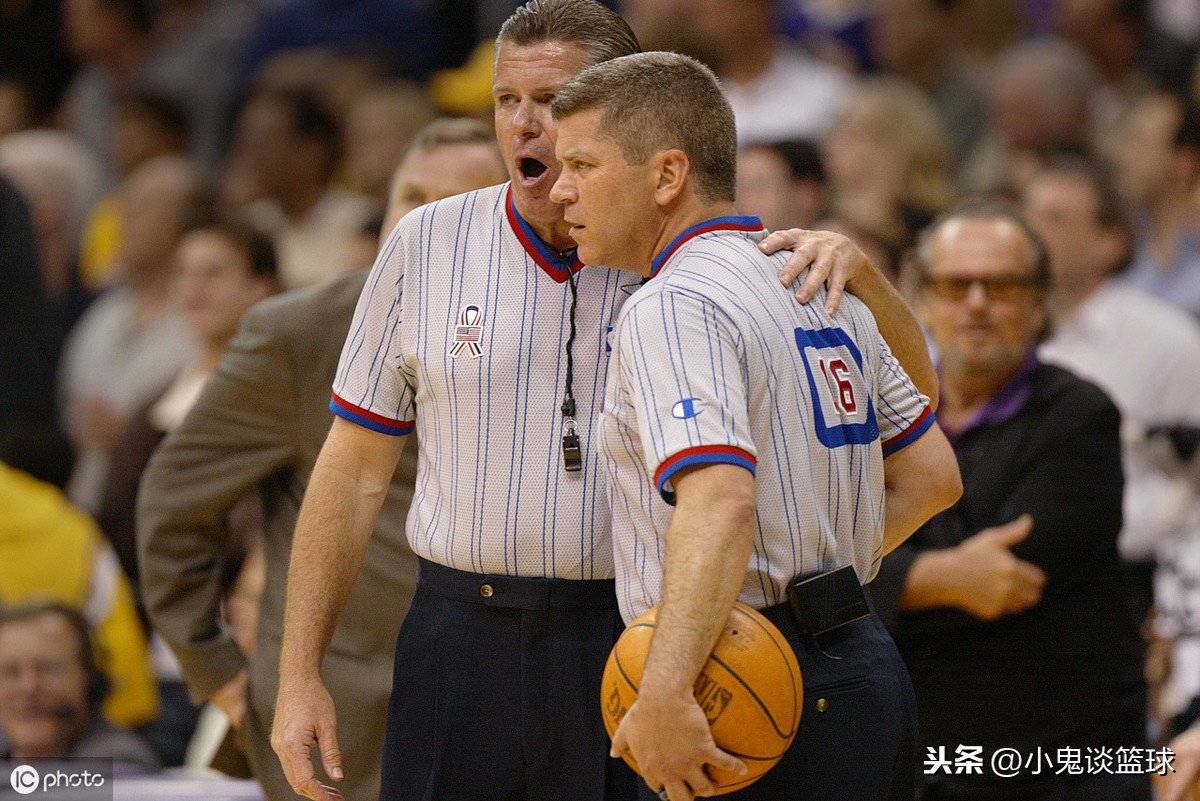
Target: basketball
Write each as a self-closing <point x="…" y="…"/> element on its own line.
<point x="750" y="689"/>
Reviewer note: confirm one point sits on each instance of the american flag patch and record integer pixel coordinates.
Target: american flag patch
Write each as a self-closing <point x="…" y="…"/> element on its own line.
<point x="468" y="333"/>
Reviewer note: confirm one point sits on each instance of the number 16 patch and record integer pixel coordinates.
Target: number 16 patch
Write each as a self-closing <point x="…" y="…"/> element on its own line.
<point x="841" y="397"/>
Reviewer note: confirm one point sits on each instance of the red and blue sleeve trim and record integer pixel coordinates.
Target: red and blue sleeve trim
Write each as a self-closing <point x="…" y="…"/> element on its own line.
<point x="703" y="454"/>
<point x="746" y="223"/>
<point x="368" y="419"/>
<point x="911" y="434"/>
<point x="552" y="263"/>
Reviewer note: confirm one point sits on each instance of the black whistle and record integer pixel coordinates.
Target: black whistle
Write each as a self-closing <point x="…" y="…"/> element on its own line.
<point x="572" y="455"/>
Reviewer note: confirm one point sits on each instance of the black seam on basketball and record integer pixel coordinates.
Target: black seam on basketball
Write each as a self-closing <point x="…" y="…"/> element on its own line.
<point x="624" y="675"/>
<point x="621" y="667"/>
<point x="753" y="695"/>
<point x="800" y="706"/>
<point x="752" y="758"/>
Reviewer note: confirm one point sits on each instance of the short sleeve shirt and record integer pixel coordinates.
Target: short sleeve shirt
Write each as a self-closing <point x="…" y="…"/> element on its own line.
<point x="460" y="335"/>
<point x="715" y="362"/>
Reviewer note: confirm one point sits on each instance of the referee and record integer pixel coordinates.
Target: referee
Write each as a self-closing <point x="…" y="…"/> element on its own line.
<point x="749" y="442"/>
<point x="479" y="332"/>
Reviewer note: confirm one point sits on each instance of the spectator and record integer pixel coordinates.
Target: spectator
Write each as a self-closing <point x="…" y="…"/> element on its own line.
<point x="111" y="41"/>
<point x="777" y="91"/>
<point x="1039" y="100"/>
<point x="60" y="180"/>
<point x="160" y="47"/>
<point x="145" y="126"/>
<point x="917" y="40"/>
<point x="1157" y="169"/>
<point x="782" y="183"/>
<point x="206" y="38"/>
<point x="258" y="426"/>
<point x="1009" y="608"/>
<point x="221" y="270"/>
<point x="52" y="689"/>
<point x="1132" y="54"/>
<point x="380" y="124"/>
<point x="289" y="144"/>
<point x="337" y="80"/>
<point x="888" y="162"/>
<point x="50" y="549"/>
<point x="1140" y="350"/>
<point x="132" y="340"/>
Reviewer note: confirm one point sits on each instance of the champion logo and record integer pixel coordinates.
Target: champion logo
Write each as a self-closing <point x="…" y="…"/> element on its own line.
<point x="468" y="333"/>
<point x="685" y="409"/>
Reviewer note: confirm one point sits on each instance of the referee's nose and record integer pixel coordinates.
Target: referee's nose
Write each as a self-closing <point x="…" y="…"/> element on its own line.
<point x="529" y="118"/>
<point x="564" y="190"/>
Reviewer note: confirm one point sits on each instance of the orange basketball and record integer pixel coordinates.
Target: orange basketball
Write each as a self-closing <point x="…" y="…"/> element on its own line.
<point x="750" y="688"/>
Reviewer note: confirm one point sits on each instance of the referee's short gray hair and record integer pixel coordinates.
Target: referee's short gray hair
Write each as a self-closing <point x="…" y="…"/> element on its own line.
<point x="598" y="30"/>
<point x="660" y="101"/>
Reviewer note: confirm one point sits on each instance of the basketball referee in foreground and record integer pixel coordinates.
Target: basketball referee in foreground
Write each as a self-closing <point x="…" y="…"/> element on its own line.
<point x="756" y="448"/>
<point x="479" y="332"/>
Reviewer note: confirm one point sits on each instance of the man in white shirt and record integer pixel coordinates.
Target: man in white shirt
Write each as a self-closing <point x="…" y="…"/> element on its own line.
<point x="1145" y="354"/>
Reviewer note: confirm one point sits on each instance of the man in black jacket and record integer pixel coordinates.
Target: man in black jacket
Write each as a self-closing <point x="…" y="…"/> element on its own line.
<point x="1008" y="607"/>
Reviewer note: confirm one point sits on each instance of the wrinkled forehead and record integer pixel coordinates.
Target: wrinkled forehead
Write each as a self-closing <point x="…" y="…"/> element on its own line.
<point x="984" y="243"/>
<point x="545" y="65"/>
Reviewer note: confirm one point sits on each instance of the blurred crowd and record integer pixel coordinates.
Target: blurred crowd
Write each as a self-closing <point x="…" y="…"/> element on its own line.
<point x="166" y="164"/>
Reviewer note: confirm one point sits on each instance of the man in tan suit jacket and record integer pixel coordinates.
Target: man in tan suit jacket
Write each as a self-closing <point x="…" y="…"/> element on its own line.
<point x="259" y="423"/>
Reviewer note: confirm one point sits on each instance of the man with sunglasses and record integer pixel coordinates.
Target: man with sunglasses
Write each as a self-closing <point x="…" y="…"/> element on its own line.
<point x="1008" y="608"/>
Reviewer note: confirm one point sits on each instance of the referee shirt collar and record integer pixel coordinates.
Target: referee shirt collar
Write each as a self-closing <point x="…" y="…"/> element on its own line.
<point x="555" y="264"/>
<point x="738" y="223"/>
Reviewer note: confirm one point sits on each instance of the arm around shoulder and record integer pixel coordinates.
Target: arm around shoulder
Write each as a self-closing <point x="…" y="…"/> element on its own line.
<point x="833" y="259"/>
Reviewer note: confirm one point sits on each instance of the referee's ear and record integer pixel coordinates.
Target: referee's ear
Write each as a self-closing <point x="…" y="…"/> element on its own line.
<point x="669" y="174"/>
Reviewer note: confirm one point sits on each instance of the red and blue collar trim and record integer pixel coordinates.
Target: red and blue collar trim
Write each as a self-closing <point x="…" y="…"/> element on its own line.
<point x="557" y="266"/>
<point x="747" y="223"/>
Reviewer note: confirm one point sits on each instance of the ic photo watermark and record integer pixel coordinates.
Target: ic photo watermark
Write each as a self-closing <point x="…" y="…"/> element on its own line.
<point x="57" y="780"/>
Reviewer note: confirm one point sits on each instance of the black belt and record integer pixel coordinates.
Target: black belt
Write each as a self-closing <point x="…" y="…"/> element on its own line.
<point x="516" y="592"/>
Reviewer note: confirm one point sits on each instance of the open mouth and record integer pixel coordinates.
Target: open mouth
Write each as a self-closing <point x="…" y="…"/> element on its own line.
<point x="531" y="169"/>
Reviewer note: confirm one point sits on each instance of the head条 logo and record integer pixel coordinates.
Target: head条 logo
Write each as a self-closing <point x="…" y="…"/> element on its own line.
<point x="24" y="779"/>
